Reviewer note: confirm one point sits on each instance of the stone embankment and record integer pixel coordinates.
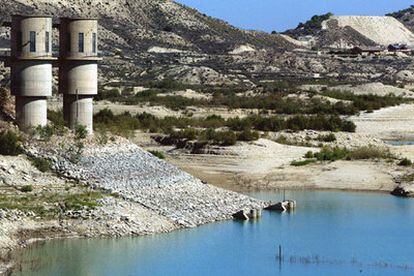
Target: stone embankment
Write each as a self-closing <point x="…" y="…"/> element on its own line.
<point x="141" y="195"/>
<point x="124" y="169"/>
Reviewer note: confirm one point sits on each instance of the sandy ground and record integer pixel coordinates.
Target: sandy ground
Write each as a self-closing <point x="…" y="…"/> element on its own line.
<point x="266" y="165"/>
<point x="162" y="111"/>
<point x="392" y="123"/>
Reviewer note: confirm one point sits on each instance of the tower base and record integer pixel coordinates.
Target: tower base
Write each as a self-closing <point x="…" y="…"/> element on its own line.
<point x="78" y="110"/>
<point x="31" y="112"/>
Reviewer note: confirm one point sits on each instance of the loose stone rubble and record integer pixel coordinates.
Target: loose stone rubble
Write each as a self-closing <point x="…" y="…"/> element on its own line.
<point x="124" y="169"/>
<point x="136" y="175"/>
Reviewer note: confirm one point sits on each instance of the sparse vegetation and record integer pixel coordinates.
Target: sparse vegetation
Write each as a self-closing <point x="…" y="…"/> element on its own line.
<point x="405" y="162"/>
<point x="41" y="164"/>
<point x="49" y="204"/>
<point x="81" y="132"/>
<point x="366" y="102"/>
<point x="302" y="162"/>
<point x="158" y="154"/>
<point x="27" y="188"/>
<point x="327" y="138"/>
<point x="75" y="152"/>
<point x="204" y="129"/>
<point x="337" y="153"/>
<point x="10" y="143"/>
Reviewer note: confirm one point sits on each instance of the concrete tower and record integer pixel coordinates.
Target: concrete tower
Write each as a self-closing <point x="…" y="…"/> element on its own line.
<point x="31" y="68"/>
<point x="78" y="69"/>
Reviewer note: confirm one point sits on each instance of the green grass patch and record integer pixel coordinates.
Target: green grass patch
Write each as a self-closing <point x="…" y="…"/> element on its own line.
<point x="158" y="154"/>
<point x="50" y="204"/>
<point x="302" y="162"/>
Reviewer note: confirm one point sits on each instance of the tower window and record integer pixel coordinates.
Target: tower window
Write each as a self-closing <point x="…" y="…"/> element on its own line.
<point x="94" y="43"/>
<point x="81" y="43"/>
<point x="47" y="42"/>
<point x="32" y="41"/>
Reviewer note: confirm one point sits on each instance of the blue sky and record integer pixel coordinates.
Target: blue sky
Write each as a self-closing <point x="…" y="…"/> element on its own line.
<point x="268" y="15"/>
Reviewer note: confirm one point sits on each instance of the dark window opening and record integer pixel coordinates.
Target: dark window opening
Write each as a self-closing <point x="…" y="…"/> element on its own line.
<point x="19" y="41"/>
<point x="32" y="41"/>
<point x="81" y="43"/>
<point x="47" y="42"/>
<point x="94" y="43"/>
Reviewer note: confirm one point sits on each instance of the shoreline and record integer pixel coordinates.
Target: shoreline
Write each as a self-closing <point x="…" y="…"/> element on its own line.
<point x="247" y="168"/>
<point x="8" y="257"/>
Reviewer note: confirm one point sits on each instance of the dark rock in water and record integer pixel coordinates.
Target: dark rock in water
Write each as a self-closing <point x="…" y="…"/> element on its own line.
<point x="404" y="191"/>
<point x="276" y="207"/>
<point x="283" y="206"/>
<point x="241" y="215"/>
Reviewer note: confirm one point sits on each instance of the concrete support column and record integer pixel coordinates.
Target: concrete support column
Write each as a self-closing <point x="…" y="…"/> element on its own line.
<point x="78" y="110"/>
<point x="31" y="111"/>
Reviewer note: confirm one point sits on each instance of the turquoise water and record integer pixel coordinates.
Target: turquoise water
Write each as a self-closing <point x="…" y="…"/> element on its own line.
<point x="400" y="143"/>
<point x="331" y="233"/>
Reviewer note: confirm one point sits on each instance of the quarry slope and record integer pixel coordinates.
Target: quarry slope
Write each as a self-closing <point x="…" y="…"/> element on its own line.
<point x="405" y="16"/>
<point x="383" y="30"/>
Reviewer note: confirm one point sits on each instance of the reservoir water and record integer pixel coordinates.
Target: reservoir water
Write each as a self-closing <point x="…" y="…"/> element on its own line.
<point x="331" y="233"/>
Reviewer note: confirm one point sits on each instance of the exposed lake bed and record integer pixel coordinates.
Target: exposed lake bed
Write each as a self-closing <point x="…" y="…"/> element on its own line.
<point x="330" y="232"/>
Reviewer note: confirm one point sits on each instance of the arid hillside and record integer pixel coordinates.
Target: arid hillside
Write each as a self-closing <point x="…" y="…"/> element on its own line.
<point x="139" y="24"/>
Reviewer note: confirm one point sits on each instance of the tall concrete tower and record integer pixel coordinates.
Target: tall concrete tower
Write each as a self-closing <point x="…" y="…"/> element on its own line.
<point x="78" y="69"/>
<point x="31" y="68"/>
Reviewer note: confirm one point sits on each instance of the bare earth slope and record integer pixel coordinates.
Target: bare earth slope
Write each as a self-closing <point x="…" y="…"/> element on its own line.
<point x="383" y="30"/>
<point x="405" y="16"/>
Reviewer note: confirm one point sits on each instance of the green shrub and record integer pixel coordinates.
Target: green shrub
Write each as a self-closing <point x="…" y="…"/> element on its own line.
<point x="362" y="153"/>
<point x="405" y="162"/>
<point x="327" y="138"/>
<point x="41" y="164"/>
<point x="27" y="189"/>
<point x="10" y="143"/>
<point x="302" y="162"/>
<point x="309" y="155"/>
<point x="81" y="132"/>
<point x="331" y="154"/>
<point x="248" y="135"/>
<point x="58" y="122"/>
<point x="46" y="132"/>
<point x="369" y="152"/>
<point x="157" y="153"/>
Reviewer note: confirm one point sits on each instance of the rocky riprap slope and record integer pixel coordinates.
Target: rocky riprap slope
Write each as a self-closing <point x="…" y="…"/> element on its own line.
<point x="126" y="170"/>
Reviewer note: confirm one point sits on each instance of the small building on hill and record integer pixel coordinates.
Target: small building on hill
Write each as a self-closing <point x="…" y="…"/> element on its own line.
<point x="402" y="48"/>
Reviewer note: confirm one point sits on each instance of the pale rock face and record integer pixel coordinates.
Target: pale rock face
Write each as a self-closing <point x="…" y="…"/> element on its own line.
<point x="162" y="50"/>
<point x="196" y="75"/>
<point x="242" y="49"/>
<point x="405" y="76"/>
<point x="383" y="30"/>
